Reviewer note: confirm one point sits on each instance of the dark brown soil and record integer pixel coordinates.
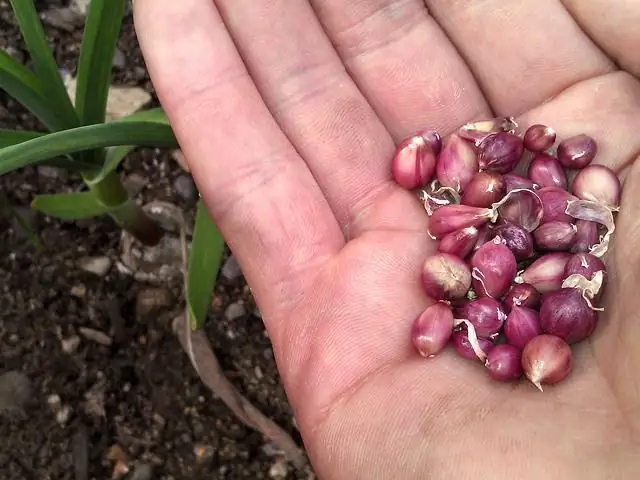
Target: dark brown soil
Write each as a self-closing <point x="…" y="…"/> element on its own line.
<point x="138" y="395"/>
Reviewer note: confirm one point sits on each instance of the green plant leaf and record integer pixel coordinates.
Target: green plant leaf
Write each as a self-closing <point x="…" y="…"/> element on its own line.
<point x="83" y="138"/>
<point x="23" y="85"/>
<point x="53" y="89"/>
<point x="101" y="32"/>
<point x="70" y="206"/>
<point x="115" y="155"/>
<point x="13" y="137"/>
<point x="207" y="247"/>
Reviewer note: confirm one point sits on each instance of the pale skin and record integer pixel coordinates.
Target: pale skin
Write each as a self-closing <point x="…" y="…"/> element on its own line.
<point x="288" y="112"/>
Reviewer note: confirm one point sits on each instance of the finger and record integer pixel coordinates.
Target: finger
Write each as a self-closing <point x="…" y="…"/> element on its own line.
<point x="522" y="53"/>
<point x="403" y="63"/>
<point x="614" y="26"/>
<point x="305" y="86"/>
<point x="258" y="190"/>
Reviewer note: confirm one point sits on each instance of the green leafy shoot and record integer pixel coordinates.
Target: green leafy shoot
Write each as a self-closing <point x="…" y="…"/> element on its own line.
<point x="83" y="138"/>
<point x="205" y="256"/>
<point x="70" y="206"/>
<point x="23" y="85"/>
<point x="101" y="32"/>
<point x="52" y="86"/>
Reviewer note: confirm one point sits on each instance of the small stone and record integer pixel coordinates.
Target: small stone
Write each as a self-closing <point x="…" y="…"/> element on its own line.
<point x="230" y="270"/>
<point x="185" y="188"/>
<point x="151" y="299"/>
<point x="15" y="391"/>
<point x="53" y="173"/>
<point x="54" y="401"/>
<point x="95" y="336"/>
<point x="119" y="60"/>
<point x="141" y="471"/>
<point x="134" y="183"/>
<point x="97" y="265"/>
<point x="70" y="344"/>
<point x="235" y="311"/>
<point x="78" y="291"/>
<point x="278" y="469"/>
<point x="80" y="6"/>
<point x="63" y="415"/>
<point x="258" y="372"/>
<point x="65" y="18"/>
<point x="203" y="453"/>
<point x="180" y="159"/>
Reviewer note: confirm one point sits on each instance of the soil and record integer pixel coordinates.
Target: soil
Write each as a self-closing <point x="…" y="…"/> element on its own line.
<point x="104" y="379"/>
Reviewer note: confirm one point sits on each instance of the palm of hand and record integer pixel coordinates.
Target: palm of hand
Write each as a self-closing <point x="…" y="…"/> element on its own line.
<point x="291" y="153"/>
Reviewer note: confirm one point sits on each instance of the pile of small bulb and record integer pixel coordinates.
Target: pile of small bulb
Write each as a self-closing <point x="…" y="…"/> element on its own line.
<point x="521" y="224"/>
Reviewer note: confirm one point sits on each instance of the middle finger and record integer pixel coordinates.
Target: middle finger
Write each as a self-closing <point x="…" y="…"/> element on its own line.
<point x="312" y="97"/>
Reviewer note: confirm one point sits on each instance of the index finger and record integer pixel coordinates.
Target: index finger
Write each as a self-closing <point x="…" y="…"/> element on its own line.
<point x="259" y="192"/>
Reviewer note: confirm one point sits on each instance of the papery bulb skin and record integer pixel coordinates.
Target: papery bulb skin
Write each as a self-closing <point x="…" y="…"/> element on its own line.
<point x="515" y="181"/>
<point x="462" y="346"/>
<point x="504" y="363"/>
<point x="494" y="269"/>
<point x="546" y="171"/>
<point x="555" y="236"/>
<point x="432" y="329"/>
<point x="459" y="243"/>
<point x="587" y="235"/>
<point x="539" y="138"/>
<point x="486" y="314"/>
<point x="517" y="239"/>
<point x="554" y="204"/>
<point x="522" y="295"/>
<point x="450" y="218"/>
<point x="445" y="277"/>
<point x="577" y="152"/>
<point x="500" y="152"/>
<point x="485" y="189"/>
<point x="546" y="273"/>
<point x="547" y="360"/>
<point x="476" y="132"/>
<point x="522" y="324"/>
<point x="566" y="314"/>
<point x="521" y="207"/>
<point x="457" y="163"/>
<point x="414" y="163"/>
<point x="597" y="183"/>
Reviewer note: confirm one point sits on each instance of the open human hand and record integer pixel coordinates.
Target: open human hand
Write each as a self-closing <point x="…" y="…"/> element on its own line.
<point x="288" y="112"/>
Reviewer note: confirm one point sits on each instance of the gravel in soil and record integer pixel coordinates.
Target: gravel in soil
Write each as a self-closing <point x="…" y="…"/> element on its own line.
<point x="92" y="379"/>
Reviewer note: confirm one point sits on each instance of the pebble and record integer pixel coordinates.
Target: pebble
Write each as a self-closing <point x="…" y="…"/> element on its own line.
<point x="63" y="415"/>
<point x="185" y="188"/>
<point x="278" y="469"/>
<point x="119" y="60"/>
<point x="151" y="299"/>
<point x="235" y="311"/>
<point x="70" y="344"/>
<point x="230" y="270"/>
<point x="142" y="471"/>
<point x="15" y="391"/>
<point x="134" y="183"/>
<point x="95" y="336"/>
<point x="78" y="291"/>
<point x="55" y="173"/>
<point x="97" y="265"/>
